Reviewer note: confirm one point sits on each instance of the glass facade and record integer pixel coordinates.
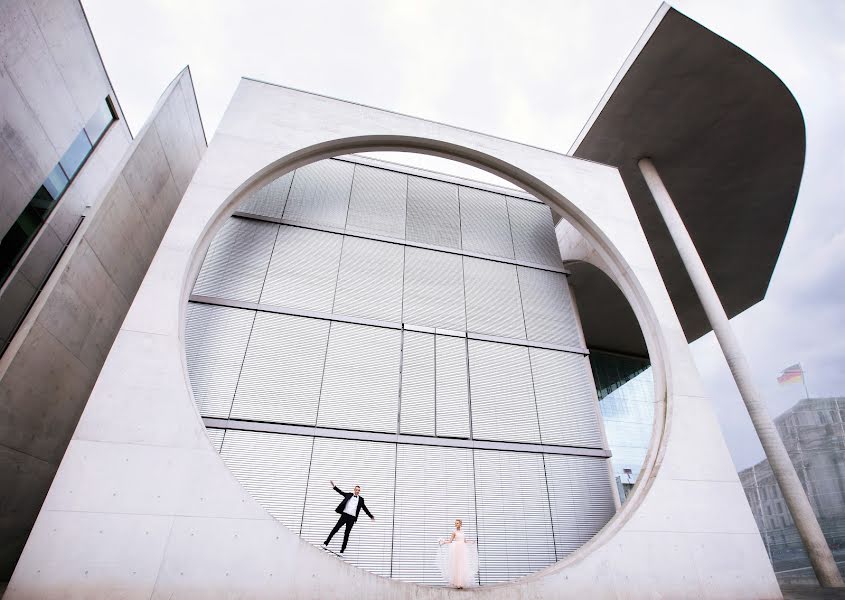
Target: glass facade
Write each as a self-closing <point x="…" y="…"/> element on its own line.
<point x="626" y="396"/>
<point x="412" y="336"/>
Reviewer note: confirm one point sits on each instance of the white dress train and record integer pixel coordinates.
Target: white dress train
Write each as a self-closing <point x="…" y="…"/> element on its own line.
<point x="458" y="561"/>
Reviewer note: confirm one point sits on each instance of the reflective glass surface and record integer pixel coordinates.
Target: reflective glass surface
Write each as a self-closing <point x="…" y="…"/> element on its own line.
<point x="76" y="154"/>
<point x="626" y="397"/>
<point x="56" y="182"/>
<point x="99" y="122"/>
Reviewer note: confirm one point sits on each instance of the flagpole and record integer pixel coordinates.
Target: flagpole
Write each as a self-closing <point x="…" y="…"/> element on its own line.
<point x="804" y="382"/>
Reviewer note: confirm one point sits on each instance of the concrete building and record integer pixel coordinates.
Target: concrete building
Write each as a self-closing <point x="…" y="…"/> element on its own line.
<point x="310" y="314"/>
<point x="814" y="433"/>
<point x="83" y="209"/>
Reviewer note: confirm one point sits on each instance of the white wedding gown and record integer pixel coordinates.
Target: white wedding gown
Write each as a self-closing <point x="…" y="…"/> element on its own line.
<point x="458" y="561"/>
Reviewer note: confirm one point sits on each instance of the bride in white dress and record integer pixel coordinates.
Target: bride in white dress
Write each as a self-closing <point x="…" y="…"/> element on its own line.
<point x="458" y="559"/>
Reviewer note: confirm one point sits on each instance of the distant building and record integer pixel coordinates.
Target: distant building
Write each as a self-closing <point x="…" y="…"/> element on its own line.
<point x="814" y="434"/>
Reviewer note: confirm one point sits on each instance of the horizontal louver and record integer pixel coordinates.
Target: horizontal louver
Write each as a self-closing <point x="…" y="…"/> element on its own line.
<point x="377" y="204"/>
<point x="282" y="371"/>
<point x="270" y="467"/>
<point x="268" y="201"/>
<point x="451" y="387"/>
<point x="434" y="486"/>
<point x="216" y="437"/>
<point x="493" y="304"/>
<point x="566" y="401"/>
<point x="215" y="343"/>
<point x="319" y="194"/>
<point x="370" y="280"/>
<point x="502" y="395"/>
<point x="348" y="463"/>
<point x="514" y="521"/>
<point x="581" y="500"/>
<point x="484" y="223"/>
<point x="285" y="372"/>
<point x="533" y="232"/>
<point x="417" y="404"/>
<point x="303" y="269"/>
<point x="549" y="316"/>
<point x="236" y="261"/>
<point x="361" y="380"/>
<point x="433" y="213"/>
<point x="434" y="289"/>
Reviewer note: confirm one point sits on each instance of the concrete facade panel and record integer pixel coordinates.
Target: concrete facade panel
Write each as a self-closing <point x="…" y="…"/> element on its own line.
<point x="38" y="412"/>
<point x="124" y="558"/>
<point x="175" y="425"/>
<point x="18" y="502"/>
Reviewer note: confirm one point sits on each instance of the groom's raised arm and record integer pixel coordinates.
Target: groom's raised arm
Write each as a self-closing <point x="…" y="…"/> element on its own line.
<point x="337" y="489"/>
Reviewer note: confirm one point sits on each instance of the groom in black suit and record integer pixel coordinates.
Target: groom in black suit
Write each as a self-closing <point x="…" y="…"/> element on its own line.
<point x="348" y="509"/>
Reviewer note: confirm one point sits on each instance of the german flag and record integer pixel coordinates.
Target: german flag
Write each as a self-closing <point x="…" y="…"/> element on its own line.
<point x="793" y="374"/>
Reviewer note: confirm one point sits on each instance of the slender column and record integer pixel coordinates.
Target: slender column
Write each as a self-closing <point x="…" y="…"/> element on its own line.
<point x="799" y="505"/>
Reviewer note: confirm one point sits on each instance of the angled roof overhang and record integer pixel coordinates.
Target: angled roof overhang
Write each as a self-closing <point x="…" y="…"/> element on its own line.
<point x="727" y="138"/>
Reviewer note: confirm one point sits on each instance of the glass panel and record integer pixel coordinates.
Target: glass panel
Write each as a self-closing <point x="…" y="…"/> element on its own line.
<point x="56" y="182"/>
<point x="76" y="154"/>
<point x="22" y="231"/>
<point x="99" y="122"/>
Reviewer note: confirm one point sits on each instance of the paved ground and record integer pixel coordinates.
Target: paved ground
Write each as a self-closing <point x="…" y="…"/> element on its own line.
<point x="807" y="592"/>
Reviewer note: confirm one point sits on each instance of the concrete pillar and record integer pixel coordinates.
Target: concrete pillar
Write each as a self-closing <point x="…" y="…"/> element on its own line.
<point x="799" y="505"/>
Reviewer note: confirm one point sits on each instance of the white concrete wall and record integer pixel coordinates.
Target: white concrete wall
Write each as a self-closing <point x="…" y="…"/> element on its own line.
<point x="47" y="373"/>
<point x="51" y="82"/>
<point x="151" y="511"/>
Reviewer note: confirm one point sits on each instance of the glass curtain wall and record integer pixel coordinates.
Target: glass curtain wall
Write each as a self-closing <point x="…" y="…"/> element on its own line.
<point x="625" y="389"/>
<point x="412" y="336"/>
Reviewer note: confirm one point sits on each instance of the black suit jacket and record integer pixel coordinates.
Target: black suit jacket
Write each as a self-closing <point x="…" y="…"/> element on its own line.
<point x="346" y="497"/>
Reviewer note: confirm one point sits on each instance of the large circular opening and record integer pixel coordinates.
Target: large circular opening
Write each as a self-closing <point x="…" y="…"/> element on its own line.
<point x="413" y="333"/>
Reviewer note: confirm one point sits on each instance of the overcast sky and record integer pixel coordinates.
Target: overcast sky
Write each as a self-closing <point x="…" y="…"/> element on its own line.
<point x="531" y="72"/>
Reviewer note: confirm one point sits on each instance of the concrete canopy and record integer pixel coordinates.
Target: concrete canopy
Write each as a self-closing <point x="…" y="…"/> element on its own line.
<point x="727" y="137"/>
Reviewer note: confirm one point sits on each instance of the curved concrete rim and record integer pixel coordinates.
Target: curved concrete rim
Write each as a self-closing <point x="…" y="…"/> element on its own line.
<point x="614" y="265"/>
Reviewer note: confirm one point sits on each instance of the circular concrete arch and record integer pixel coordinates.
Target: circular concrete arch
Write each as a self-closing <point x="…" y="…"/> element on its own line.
<point x="611" y="262"/>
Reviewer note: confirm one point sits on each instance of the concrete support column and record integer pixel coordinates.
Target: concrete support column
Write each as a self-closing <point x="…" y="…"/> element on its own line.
<point x="782" y="467"/>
